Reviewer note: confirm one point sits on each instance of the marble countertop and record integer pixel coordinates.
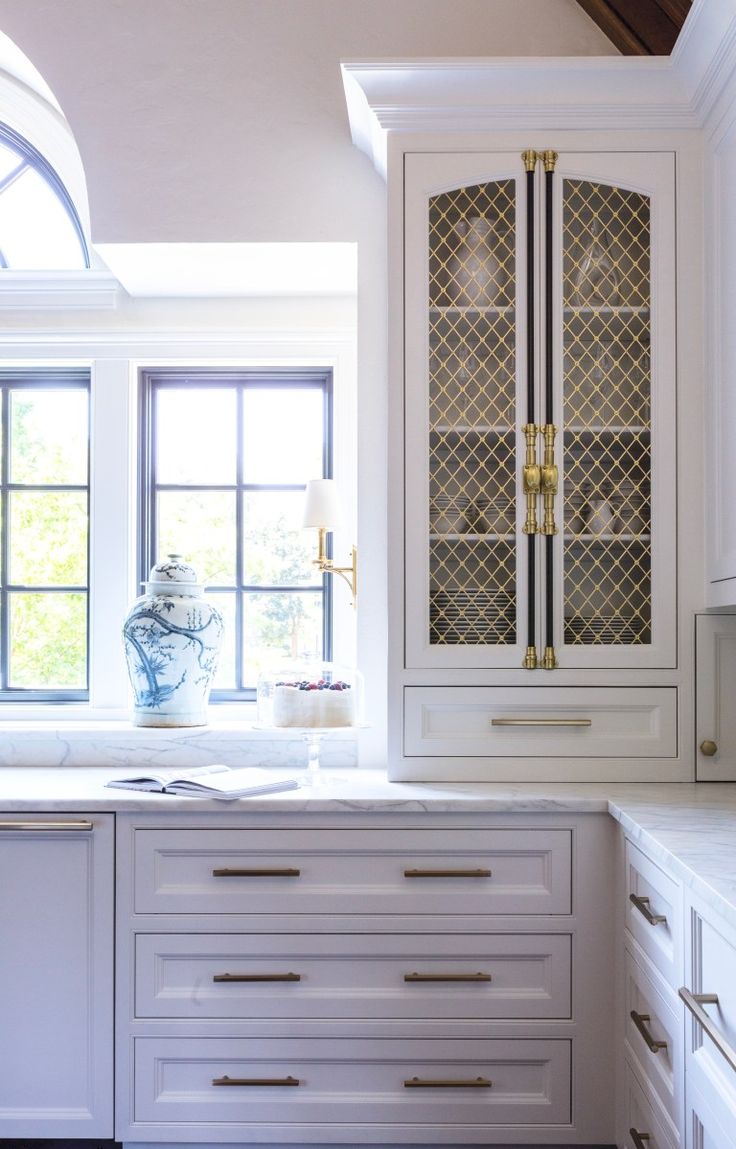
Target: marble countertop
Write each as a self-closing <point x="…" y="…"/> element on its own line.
<point x="689" y="828"/>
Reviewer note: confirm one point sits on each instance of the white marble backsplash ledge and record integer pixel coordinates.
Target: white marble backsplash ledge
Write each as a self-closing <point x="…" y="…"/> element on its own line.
<point x="106" y="744"/>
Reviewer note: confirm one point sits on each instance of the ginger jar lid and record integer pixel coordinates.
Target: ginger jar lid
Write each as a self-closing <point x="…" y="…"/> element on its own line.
<point x="173" y="576"/>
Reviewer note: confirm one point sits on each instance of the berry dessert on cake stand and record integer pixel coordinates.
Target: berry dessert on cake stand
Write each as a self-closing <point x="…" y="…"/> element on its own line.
<point x="312" y="700"/>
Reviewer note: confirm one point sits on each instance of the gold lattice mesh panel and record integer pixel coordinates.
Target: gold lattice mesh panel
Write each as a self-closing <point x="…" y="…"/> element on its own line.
<point x="472" y="463"/>
<point x="607" y="437"/>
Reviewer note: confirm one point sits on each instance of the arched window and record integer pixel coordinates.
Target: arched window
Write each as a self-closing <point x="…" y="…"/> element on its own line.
<point x="39" y="226"/>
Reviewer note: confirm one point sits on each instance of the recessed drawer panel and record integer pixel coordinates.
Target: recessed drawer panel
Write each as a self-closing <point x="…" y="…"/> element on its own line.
<point x="339" y="1084"/>
<point x="654" y="914"/>
<point x="653" y="1039"/>
<point x="713" y="976"/>
<point x="352" y="872"/>
<point x="709" y="1124"/>
<point x="344" y="976"/>
<point x="601" y="722"/>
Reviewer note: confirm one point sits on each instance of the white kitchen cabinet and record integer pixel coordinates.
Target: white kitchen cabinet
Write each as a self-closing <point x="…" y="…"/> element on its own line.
<point x="56" y="976"/>
<point x="378" y="979"/>
<point x="715" y="714"/>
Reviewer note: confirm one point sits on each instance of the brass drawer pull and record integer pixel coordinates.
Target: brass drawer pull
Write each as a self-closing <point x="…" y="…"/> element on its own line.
<point x="695" y="1003"/>
<point x="541" y="722"/>
<point x="255" y="1081"/>
<point x="639" y="1139"/>
<point x="257" y="977"/>
<point x="447" y="1083"/>
<point x="447" y="977"/>
<point x="448" y="873"/>
<point x="40" y="826"/>
<point x="267" y="872"/>
<point x="640" y="1020"/>
<point x="642" y="905"/>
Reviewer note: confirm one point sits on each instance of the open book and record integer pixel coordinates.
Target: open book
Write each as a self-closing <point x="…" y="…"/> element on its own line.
<point x="209" y="782"/>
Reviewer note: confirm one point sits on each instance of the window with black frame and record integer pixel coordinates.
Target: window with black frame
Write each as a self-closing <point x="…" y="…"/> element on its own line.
<point x="44" y="536"/>
<point x="225" y="458"/>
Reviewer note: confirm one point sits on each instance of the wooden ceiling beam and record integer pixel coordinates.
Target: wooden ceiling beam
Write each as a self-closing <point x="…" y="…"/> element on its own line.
<point x="639" y="27"/>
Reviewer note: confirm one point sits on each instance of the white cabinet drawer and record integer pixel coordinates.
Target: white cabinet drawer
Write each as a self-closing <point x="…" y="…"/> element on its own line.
<point x="344" y="976"/>
<point x="346" y="1083"/>
<point x="352" y="872"/>
<point x="654" y="913"/>
<point x="708" y="1125"/>
<point x="713" y="973"/>
<point x="653" y="1038"/>
<point x="645" y="1126"/>
<point x="600" y="722"/>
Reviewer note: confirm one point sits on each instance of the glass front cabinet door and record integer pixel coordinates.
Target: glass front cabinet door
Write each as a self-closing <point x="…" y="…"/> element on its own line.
<point x="540" y="411"/>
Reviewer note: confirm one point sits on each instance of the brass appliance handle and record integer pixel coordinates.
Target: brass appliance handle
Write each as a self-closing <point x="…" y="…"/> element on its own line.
<point x="639" y="1139"/>
<point x="541" y="722"/>
<point x="447" y="1083"/>
<point x="695" y="1003"/>
<point x="255" y="1080"/>
<point x="640" y="1020"/>
<point x="263" y="872"/>
<point x="41" y="826"/>
<point x="479" y="873"/>
<point x="447" y="977"/>
<point x="642" y="905"/>
<point x="230" y="977"/>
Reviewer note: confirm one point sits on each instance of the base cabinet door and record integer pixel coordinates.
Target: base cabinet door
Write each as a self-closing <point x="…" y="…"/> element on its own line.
<point x="56" y="971"/>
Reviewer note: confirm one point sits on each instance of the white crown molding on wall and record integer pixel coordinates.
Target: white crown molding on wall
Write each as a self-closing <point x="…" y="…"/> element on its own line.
<point x="689" y="90"/>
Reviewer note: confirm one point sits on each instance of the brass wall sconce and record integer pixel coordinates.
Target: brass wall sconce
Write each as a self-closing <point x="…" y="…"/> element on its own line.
<point x="322" y="511"/>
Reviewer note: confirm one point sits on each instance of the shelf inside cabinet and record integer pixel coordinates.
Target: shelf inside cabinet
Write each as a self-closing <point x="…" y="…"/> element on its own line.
<point x="622" y="538"/>
<point x="468" y="430"/>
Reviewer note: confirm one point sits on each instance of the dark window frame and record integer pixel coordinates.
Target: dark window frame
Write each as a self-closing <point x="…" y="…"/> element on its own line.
<point x="240" y="379"/>
<point x="37" y="380"/>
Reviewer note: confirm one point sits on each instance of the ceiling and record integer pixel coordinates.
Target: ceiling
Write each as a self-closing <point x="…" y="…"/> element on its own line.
<point x="639" y="27"/>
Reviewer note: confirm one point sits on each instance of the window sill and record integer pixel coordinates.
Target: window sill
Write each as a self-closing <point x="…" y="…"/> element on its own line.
<point x="97" y="742"/>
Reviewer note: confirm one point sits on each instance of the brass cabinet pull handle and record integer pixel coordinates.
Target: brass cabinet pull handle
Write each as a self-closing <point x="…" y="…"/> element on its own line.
<point x="709" y="747"/>
<point x="447" y="1083"/>
<point x="695" y="1003"/>
<point x="639" y="1139"/>
<point x="255" y="1080"/>
<point x="447" y="977"/>
<point x="541" y="722"/>
<point x="40" y="826"/>
<point x="229" y="977"/>
<point x="642" y="905"/>
<point x="479" y="873"/>
<point x="262" y="872"/>
<point x="640" y="1020"/>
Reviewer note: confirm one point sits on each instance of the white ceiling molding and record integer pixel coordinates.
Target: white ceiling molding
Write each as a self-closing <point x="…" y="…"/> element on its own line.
<point x="684" y="91"/>
<point x="83" y="290"/>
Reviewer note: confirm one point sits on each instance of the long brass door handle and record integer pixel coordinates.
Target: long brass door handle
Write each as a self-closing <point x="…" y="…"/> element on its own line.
<point x="479" y="873"/>
<point x="695" y="1003"/>
<point x="231" y="977"/>
<point x="639" y="1139"/>
<point x="259" y="872"/>
<point x="541" y="722"/>
<point x="447" y="1083"/>
<point x="640" y="1020"/>
<point x="255" y="1081"/>
<point x="447" y="977"/>
<point x="39" y="826"/>
<point x="642" y="905"/>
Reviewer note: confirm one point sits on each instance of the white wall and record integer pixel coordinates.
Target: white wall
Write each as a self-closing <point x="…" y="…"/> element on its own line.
<point x="224" y="120"/>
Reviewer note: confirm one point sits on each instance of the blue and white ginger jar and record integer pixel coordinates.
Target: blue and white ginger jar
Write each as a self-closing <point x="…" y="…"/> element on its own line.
<point x="173" y="637"/>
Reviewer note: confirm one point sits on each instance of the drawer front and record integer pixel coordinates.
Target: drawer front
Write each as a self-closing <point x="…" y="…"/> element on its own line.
<point x="353" y="872"/>
<point x="341" y="976"/>
<point x="708" y="1125"/>
<point x="654" y="914"/>
<point x="645" y="1126"/>
<point x="713" y="973"/>
<point x="343" y="1083"/>
<point x="587" y="722"/>
<point x="653" y="1039"/>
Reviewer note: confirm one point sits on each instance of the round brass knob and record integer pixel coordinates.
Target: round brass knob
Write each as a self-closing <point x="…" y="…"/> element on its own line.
<point x="709" y="748"/>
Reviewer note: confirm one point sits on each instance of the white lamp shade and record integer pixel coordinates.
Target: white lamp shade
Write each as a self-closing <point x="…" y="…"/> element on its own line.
<point x="322" y="505"/>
